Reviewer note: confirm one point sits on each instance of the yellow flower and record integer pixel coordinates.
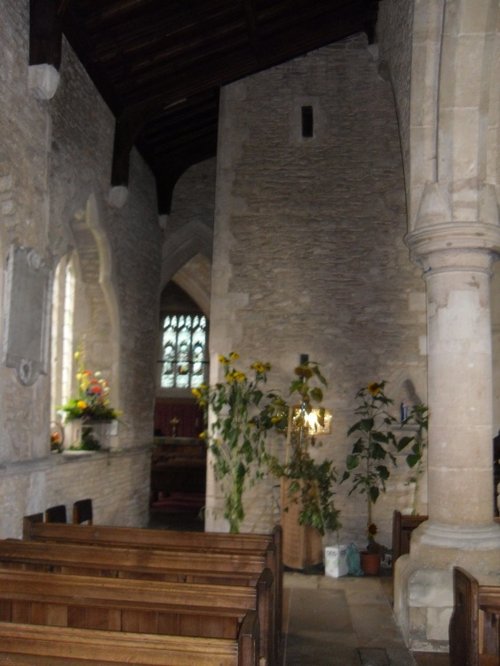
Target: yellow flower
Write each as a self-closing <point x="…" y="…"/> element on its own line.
<point x="81" y="404"/>
<point x="260" y="368"/>
<point x="196" y="393"/>
<point x="234" y="356"/>
<point x="223" y="360"/>
<point x="303" y="371"/>
<point x="374" y="388"/>
<point x="203" y="435"/>
<point x="235" y="376"/>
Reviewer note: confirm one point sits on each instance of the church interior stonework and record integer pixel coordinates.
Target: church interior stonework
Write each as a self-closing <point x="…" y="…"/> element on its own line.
<point x="347" y="210"/>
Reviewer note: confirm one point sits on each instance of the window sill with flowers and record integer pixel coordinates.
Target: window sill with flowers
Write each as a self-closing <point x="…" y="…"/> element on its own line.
<point x="88" y="415"/>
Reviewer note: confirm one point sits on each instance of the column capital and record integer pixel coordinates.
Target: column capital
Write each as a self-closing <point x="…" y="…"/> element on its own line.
<point x="455" y="246"/>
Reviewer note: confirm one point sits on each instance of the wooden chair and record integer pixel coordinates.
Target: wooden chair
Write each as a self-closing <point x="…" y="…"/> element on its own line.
<point x="56" y="514"/>
<point x="82" y="512"/>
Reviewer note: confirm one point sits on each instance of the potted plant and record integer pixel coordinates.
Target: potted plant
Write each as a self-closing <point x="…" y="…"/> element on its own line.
<point x="371" y="457"/>
<point x="307" y="495"/>
<point x="236" y="410"/>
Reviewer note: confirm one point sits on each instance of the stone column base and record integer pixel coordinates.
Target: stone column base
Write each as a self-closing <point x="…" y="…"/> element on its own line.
<point x="423" y="582"/>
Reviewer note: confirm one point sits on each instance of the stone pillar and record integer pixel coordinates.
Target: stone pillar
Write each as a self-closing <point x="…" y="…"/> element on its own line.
<point x="457" y="260"/>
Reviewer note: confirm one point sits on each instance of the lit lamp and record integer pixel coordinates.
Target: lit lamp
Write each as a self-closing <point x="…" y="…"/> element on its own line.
<point x="318" y="425"/>
<point x="316" y="422"/>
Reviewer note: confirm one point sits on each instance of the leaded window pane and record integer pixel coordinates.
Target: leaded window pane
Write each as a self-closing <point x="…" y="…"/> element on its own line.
<point x="184" y="351"/>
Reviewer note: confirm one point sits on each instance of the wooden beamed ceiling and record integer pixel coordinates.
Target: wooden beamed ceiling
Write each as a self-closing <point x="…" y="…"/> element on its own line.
<point x="159" y="64"/>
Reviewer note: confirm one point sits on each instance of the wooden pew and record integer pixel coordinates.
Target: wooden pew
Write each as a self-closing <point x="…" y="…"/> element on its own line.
<point x="151" y="607"/>
<point x="26" y="645"/>
<point x="475" y="622"/>
<point x="56" y="514"/>
<point x="204" y="542"/>
<point x="128" y="604"/>
<point x="101" y="560"/>
<point x="402" y="527"/>
<point x="82" y="512"/>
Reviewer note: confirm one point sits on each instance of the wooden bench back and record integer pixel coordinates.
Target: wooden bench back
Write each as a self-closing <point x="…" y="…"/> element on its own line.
<point x="402" y="527"/>
<point x="53" y="646"/>
<point x="82" y="512"/>
<point x="56" y="514"/>
<point x="147" y="538"/>
<point x="120" y="559"/>
<point x="475" y="622"/>
<point x="124" y="605"/>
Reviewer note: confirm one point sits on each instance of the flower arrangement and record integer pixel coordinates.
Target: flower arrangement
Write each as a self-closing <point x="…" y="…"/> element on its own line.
<point x="92" y="402"/>
<point x="237" y="433"/>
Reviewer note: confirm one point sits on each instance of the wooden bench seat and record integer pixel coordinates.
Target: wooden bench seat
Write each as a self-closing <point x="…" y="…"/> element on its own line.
<point x="475" y="622"/>
<point x="90" y="602"/>
<point x="23" y="644"/>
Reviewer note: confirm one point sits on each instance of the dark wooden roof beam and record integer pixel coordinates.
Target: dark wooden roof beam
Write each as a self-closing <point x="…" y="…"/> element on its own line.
<point x="156" y="35"/>
<point x="45" y="33"/>
<point x="186" y="137"/>
<point x="127" y="128"/>
<point x="181" y="48"/>
<point x="171" y="128"/>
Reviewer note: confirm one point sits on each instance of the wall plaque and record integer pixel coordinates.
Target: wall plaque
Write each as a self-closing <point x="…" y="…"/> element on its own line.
<point x="26" y="322"/>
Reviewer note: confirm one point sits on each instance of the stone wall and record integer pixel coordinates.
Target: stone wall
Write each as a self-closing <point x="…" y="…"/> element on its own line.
<point x="117" y="482"/>
<point x="308" y="250"/>
<point x="55" y="166"/>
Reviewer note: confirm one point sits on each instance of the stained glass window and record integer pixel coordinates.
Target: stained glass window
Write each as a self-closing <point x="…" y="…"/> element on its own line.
<point x="184" y="351"/>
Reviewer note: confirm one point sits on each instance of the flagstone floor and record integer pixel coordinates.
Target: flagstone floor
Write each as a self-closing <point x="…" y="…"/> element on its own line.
<point x="344" y="621"/>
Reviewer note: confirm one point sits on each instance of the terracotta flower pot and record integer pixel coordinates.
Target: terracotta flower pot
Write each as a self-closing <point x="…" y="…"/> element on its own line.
<point x="370" y="563"/>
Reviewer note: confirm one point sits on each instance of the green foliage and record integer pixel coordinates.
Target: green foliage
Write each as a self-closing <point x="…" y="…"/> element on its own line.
<point x="311" y="483"/>
<point x="88" y="441"/>
<point x="372" y="456"/>
<point x="368" y="466"/>
<point x="240" y="421"/>
<point x="243" y="414"/>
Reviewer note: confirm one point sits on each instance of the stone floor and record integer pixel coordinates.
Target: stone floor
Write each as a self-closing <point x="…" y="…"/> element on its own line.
<point x="344" y="622"/>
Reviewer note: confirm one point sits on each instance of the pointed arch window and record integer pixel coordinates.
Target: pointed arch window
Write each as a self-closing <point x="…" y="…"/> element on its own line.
<point x="62" y="340"/>
<point x="184" y="343"/>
